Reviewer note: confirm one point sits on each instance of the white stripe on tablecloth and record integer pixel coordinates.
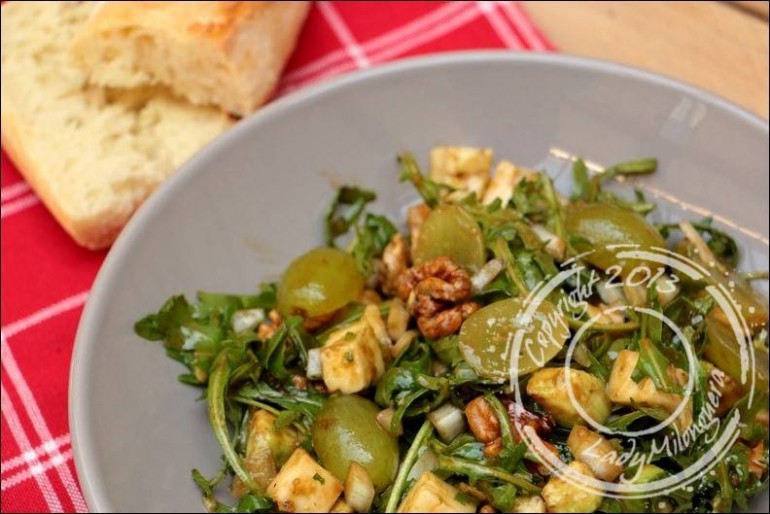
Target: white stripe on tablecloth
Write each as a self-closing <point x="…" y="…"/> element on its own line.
<point x="429" y="34"/>
<point x="342" y="31"/>
<point x="59" y="460"/>
<point x="38" y="421"/>
<point x="503" y="31"/>
<point x="18" y="205"/>
<point x="39" y="451"/>
<point x="67" y="304"/>
<point x="12" y="191"/>
<point x="35" y="468"/>
<point x="519" y="19"/>
<point x="397" y="34"/>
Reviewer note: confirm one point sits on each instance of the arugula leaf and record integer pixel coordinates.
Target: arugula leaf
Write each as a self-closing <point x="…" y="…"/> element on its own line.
<point x="751" y="428"/>
<point x="307" y="403"/>
<point x="614" y="506"/>
<point x="410" y="171"/>
<point x="177" y="324"/>
<point x="636" y="167"/>
<point x="652" y="326"/>
<point x="401" y="378"/>
<point x="254" y="503"/>
<point x="721" y="245"/>
<point x="581" y="182"/>
<point x="654" y="364"/>
<point x="501" y="496"/>
<point x="589" y="189"/>
<point x="229" y="303"/>
<point x="272" y="353"/>
<point x="556" y="211"/>
<point x="407" y="386"/>
<point x="395" y="383"/>
<point x="370" y="240"/>
<point x="502" y="251"/>
<point x="530" y="200"/>
<point x="286" y="418"/>
<point x="655" y="413"/>
<point x="587" y="359"/>
<point x="405" y="405"/>
<point x="193" y="334"/>
<point x="400" y="482"/>
<point x="529" y="271"/>
<point x="345" y="209"/>
<point x="476" y="472"/>
<point x="370" y="237"/>
<point x="465" y="446"/>
<point x="248" y="503"/>
<point x="625" y="421"/>
<point x="216" y="398"/>
<point x="640" y="204"/>
<point x="446" y="350"/>
<point x="512" y="452"/>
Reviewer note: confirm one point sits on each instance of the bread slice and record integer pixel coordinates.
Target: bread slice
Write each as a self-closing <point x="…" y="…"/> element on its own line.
<point x="92" y="154"/>
<point x="229" y="54"/>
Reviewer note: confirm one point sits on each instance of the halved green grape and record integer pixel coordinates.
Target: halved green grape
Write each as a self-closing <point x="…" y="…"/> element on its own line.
<point x="604" y="224"/>
<point x="487" y="336"/>
<point x="451" y="232"/>
<point x="346" y="430"/>
<point x="753" y="308"/>
<point x="319" y="282"/>
<point x="722" y="350"/>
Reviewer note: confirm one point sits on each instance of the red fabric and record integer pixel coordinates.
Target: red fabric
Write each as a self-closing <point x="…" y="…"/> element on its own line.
<point x="46" y="276"/>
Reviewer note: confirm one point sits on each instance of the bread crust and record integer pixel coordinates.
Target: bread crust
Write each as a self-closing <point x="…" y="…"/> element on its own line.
<point x="215" y="22"/>
<point x="95" y="232"/>
<point x="252" y="42"/>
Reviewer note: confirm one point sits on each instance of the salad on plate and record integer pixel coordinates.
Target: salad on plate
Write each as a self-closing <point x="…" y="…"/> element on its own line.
<point x="508" y="349"/>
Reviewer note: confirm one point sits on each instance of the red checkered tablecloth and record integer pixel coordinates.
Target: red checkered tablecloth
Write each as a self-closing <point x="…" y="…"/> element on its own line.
<point x="46" y="276"/>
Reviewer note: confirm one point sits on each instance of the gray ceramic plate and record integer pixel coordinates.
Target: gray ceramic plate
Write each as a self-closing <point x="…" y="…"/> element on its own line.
<point x="235" y="214"/>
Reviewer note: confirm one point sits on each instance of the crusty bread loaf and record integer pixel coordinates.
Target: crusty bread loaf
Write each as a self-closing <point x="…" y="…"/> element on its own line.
<point x="91" y="154"/>
<point x="229" y="54"/>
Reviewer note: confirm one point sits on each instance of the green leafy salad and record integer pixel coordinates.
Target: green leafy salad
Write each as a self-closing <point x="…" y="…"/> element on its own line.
<point x="504" y="348"/>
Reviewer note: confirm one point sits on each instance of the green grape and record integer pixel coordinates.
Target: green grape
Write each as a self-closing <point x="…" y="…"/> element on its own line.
<point x="604" y="224"/>
<point x="451" y="232"/>
<point x="487" y="336"/>
<point x="346" y="430"/>
<point x="318" y="283"/>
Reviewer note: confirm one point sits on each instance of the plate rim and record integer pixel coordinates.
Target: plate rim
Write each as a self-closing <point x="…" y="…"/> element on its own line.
<point x="95" y="494"/>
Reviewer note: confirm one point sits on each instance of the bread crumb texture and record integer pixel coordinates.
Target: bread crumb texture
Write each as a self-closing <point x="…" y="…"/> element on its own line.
<point x="241" y="46"/>
<point x="93" y="154"/>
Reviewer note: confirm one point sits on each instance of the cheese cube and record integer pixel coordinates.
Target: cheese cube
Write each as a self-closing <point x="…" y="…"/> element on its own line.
<point x="623" y="390"/>
<point x="352" y="359"/>
<point x="461" y="167"/>
<point x="342" y="507"/>
<point x="303" y="485"/>
<point x="431" y="494"/>
<point x="507" y="177"/>
<point x="531" y="504"/>
<point x="591" y="448"/>
<point x="563" y="496"/>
